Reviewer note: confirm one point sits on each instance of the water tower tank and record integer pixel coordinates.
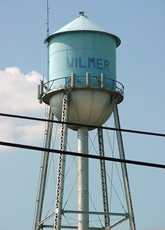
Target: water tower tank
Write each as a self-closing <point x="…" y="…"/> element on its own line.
<point x="82" y="62"/>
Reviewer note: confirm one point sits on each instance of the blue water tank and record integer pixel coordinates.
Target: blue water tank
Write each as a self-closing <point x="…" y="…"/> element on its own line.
<point x="82" y="47"/>
<point x="82" y="59"/>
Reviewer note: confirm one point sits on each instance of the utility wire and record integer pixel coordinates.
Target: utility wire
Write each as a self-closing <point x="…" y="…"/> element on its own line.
<point x="84" y="125"/>
<point x="91" y="156"/>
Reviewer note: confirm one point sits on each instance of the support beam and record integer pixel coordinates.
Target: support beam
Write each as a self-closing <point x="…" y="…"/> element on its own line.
<point x="46" y="218"/>
<point x="82" y="180"/>
<point x="117" y="223"/>
<point x="124" y="171"/>
<point x="96" y="213"/>
<point x="43" y="175"/>
<point x="72" y="227"/>
<point x="103" y="178"/>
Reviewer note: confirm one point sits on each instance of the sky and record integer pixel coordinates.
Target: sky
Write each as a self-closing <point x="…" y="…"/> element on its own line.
<point x="140" y="67"/>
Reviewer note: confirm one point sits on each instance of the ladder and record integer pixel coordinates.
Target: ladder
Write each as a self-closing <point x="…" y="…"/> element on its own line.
<point x="61" y="167"/>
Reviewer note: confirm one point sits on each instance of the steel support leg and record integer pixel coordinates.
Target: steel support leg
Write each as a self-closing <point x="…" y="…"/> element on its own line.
<point x="43" y="175"/>
<point x="83" y="180"/>
<point x="61" y="168"/>
<point x="103" y="178"/>
<point x="124" y="171"/>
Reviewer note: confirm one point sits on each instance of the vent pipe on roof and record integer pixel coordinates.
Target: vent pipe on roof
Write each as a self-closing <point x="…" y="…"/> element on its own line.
<point x="82" y="13"/>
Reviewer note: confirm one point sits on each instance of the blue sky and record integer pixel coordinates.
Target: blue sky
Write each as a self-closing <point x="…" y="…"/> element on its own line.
<point x="140" y="67"/>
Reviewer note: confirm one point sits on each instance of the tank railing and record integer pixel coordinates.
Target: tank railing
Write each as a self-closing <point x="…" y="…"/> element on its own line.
<point x="74" y="81"/>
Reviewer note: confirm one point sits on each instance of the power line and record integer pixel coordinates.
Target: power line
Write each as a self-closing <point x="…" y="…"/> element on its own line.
<point x="91" y="156"/>
<point x="83" y="125"/>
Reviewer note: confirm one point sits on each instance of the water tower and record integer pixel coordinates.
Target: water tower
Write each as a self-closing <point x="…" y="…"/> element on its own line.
<point x="81" y="88"/>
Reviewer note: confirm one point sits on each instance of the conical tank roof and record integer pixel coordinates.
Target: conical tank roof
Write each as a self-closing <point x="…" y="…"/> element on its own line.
<point x="82" y="23"/>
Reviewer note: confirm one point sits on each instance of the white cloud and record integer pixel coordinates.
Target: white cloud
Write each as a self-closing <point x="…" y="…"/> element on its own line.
<point x="18" y="95"/>
<point x="18" y="92"/>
